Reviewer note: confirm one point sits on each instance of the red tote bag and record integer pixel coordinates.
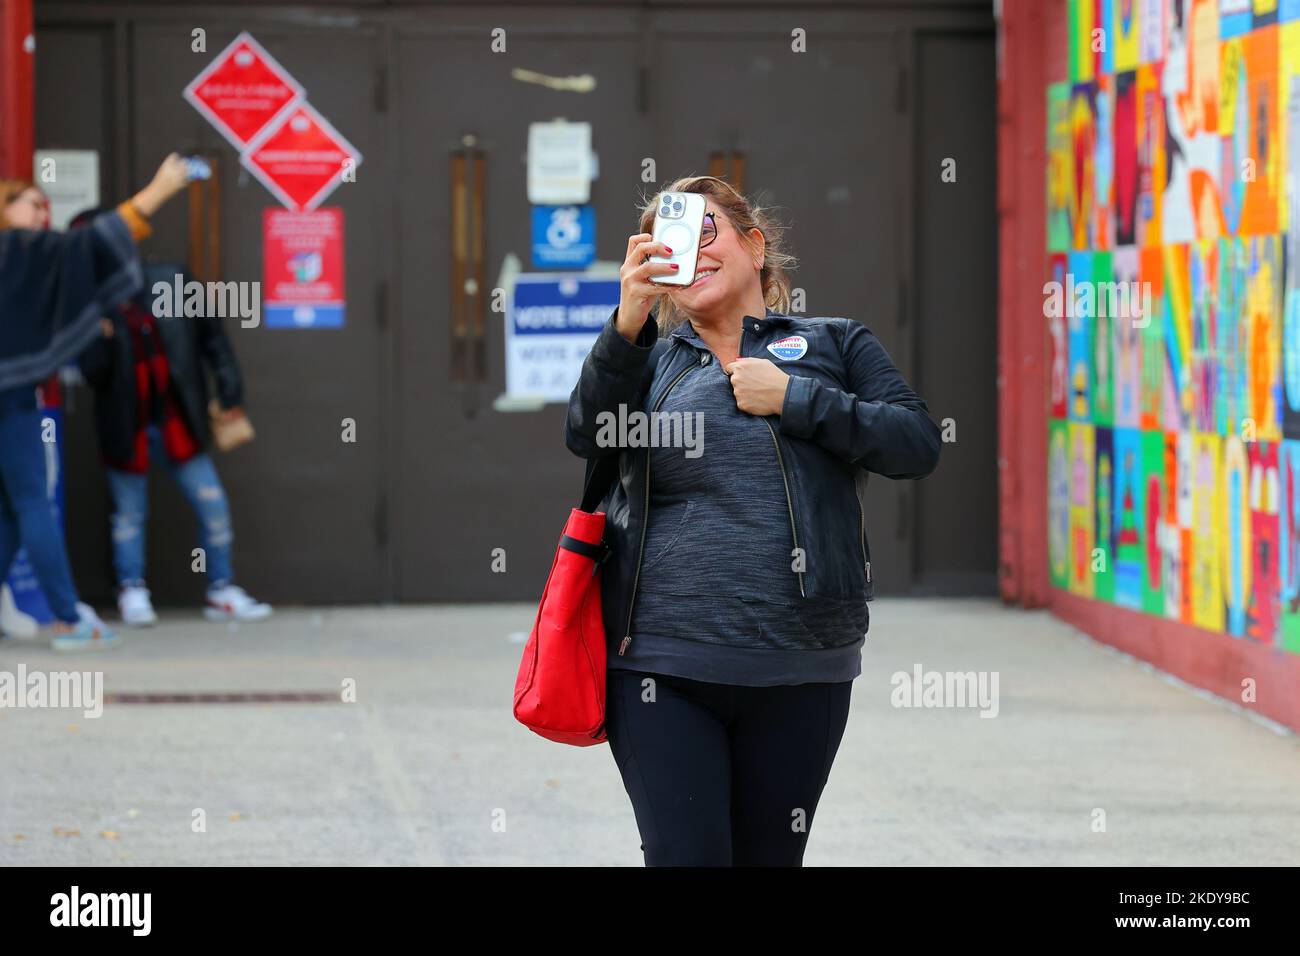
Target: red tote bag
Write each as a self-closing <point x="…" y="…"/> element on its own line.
<point x="560" y="688"/>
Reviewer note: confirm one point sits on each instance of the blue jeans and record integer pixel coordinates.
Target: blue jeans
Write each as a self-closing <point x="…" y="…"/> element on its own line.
<point x="202" y="488"/>
<point x="27" y="516"/>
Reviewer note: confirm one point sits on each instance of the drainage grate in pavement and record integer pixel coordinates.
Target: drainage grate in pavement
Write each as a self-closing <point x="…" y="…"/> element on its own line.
<point x="228" y="697"/>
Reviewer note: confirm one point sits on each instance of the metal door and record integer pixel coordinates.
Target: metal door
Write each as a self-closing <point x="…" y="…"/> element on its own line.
<point x="471" y="480"/>
<point x="955" y="317"/>
<point x="308" y="506"/>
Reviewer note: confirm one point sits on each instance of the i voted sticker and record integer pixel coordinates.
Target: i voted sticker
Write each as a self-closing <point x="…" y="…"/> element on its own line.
<point x="790" y="347"/>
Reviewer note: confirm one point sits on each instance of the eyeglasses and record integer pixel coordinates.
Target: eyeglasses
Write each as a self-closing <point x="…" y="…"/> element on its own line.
<point x="709" y="231"/>
<point x="41" y="204"/>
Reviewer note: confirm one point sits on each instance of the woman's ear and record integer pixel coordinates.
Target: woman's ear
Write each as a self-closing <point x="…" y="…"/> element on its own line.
<point x="759" y="243"/>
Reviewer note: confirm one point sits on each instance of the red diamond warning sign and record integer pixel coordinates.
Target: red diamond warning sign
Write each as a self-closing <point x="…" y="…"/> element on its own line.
<point x="301" y="158"/>
<point x="243" y="90"/>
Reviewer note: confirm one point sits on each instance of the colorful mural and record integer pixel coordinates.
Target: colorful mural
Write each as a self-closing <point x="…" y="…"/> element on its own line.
<point x="1172" y="308"/>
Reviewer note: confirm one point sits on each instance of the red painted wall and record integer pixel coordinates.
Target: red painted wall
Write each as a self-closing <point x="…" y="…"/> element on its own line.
<point x="1033" y="53"/>
<point x="1022" y="338"/>
<point x="16" y="86"/>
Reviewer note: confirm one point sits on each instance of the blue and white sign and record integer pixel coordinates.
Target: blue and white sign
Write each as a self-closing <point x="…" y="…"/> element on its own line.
<point x="564" y="237"/>
<point x="550" y="327"/>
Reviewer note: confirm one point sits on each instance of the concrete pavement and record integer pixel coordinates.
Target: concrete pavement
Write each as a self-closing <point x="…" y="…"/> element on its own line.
<point x="429" y="767"/>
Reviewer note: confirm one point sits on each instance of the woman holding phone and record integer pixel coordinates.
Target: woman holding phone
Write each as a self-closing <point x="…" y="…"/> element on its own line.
<point x="735" y="596"/>
<point x="54" y="286"/>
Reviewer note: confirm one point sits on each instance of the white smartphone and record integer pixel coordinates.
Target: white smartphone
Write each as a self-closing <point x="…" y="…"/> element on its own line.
<point x="679" y="218"/>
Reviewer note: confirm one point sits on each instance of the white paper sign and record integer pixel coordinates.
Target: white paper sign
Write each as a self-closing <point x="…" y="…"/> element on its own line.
<point x="70" y="177"/>
<point x="559" y="163"/>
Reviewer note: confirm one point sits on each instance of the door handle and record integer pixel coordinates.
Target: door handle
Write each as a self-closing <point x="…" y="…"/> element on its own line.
<point x="468" y="321"/>
<point x="204" y="232"/>
<point x="729" y="165"/>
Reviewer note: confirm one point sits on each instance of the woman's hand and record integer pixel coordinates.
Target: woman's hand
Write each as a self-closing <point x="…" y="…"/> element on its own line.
<point x="759" y="386"/>
<point x="637" y="293"/>
<point x="170" y="179"/>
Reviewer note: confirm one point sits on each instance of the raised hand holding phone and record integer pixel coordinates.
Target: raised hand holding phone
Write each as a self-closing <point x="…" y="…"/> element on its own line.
<point x="679" y="218"/>
<point x="667" y="256"/>
<point x="637" y="291"/>
<point x="171" y="178"/>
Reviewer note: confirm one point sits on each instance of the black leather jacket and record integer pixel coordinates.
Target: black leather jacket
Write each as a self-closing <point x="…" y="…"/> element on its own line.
<point x="847" y="411"/>
<point x="194" y="346"/>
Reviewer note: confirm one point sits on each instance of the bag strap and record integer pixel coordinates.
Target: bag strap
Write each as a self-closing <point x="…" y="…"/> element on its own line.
<point x="601" y="475"/>
<point x="597" y="552"/>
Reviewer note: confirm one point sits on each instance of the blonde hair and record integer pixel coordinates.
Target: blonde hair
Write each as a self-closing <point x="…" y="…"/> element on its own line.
<point x="744" y="215"/>
<point x="11" y="189"/>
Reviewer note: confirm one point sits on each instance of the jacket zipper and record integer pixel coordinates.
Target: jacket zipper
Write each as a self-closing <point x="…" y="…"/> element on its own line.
<point x="780" y="462"/>
<point x="645" y="513"/>
<point x="789" y="503"/>
<point x="862" y="538"/>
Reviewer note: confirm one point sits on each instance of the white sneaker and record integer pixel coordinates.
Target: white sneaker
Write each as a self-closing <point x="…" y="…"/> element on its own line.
<point x="232" y="603"/>
<point x="87" y="614"/>
<point x="135" y="607"/>
<point x="13" y="622"/>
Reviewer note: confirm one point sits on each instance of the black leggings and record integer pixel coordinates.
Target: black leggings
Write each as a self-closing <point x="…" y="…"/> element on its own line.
<point x="719" y="774"/>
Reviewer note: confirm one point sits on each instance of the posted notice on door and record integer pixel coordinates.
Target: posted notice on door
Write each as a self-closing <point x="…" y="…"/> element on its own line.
<point x="302" y="269"/>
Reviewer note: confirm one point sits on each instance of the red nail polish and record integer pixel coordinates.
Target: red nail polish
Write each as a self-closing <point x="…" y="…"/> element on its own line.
<point x="669" y="248"/>
<point x="676" y="266"/>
